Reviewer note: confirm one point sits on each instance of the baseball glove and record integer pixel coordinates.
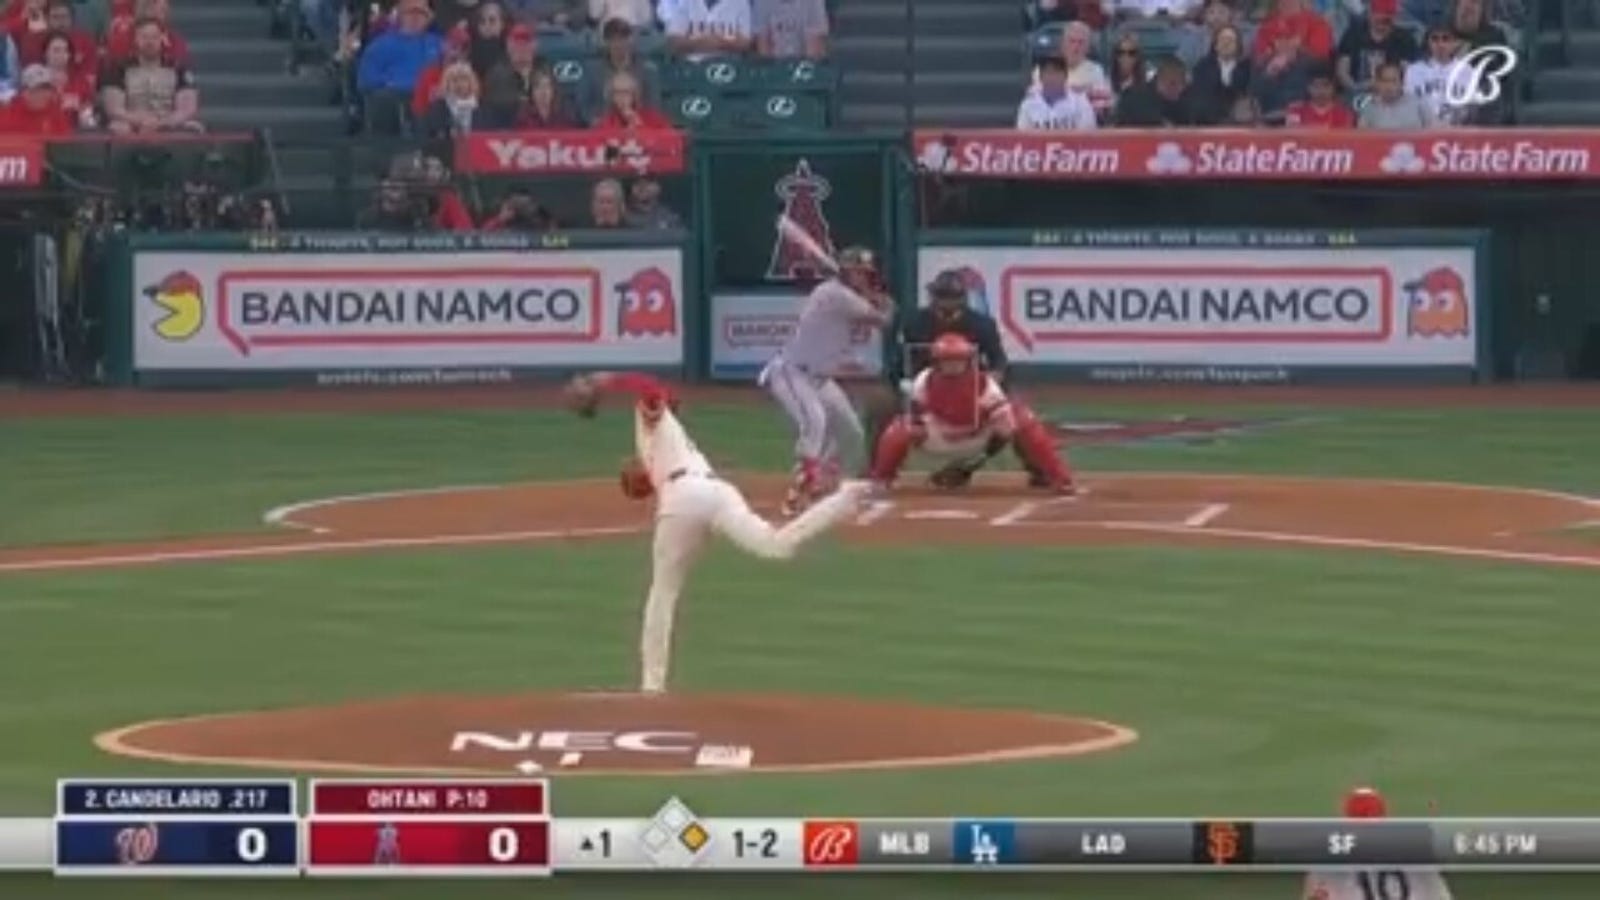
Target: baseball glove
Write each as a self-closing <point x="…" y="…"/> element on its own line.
<point x="581" y="396"/>
<point x="952" y="477"/>
<point x="635" y="480"/>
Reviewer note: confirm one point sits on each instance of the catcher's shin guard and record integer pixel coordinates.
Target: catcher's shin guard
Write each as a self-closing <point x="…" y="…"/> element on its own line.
<point x="1038" y="448"/>
<point x="892" y="449"/>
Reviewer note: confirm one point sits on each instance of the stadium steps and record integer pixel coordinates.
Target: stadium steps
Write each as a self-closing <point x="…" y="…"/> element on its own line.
<point x="244" y="53"/>
<point x="1560" y="112"/>
<point x="283" y="122"/>
<point x="1566" y="90"/>
<point x="929" y="88"/>
<point x="251" y="89"/>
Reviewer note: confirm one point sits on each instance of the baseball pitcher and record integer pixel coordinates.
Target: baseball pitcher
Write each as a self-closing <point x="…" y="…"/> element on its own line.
<point x="1373" y="884"/>
<point x="955" y="409"/>
<point x="801" y="378"/>
<point x="691" y="502"/>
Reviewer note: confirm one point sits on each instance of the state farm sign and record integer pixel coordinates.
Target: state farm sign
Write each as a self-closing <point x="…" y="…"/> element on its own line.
<point x="21" y="162"/>
<point x="1274" y="154"/>
<point x="571" y="152"/>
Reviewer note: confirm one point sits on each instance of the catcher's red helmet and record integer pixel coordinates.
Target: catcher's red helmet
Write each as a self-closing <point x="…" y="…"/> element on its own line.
<point x="951" y="347"/>
<point x="1365" y="803"/>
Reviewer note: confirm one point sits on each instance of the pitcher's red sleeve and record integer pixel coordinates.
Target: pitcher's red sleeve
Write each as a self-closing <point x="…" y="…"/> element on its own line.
<point x="648" y="389"/>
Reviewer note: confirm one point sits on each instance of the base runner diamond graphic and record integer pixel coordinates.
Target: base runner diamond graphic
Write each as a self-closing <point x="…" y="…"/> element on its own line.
<point x="675" y="839"/>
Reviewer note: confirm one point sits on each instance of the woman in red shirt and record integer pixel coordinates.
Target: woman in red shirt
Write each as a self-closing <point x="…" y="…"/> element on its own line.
<point x="624" y="109"/>
<point x="36" y="109"/>
<point x="73" y="84"/>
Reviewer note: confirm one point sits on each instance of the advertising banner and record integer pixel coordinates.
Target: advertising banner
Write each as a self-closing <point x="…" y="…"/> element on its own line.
<point x="337" y="313"/>
<point x="748" y="329"/>
<point x="1264" y="154"/>
<point x="21" y="162"/>
<point x="655" y="152"/>
<point x="1224" y="305"/>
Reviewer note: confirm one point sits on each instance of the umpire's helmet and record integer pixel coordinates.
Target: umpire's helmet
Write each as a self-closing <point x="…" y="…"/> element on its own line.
<point x="948" y="284"/>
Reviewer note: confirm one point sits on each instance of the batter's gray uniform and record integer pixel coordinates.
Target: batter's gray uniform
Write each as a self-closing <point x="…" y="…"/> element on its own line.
<point x="800" y="377"/>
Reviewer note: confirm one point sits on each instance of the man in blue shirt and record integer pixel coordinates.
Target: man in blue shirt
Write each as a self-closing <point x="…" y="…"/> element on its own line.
<point x="391" y="64"/>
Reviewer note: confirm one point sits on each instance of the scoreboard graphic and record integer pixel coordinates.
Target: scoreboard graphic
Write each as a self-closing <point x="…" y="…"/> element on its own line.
<point x="504" y="828"/>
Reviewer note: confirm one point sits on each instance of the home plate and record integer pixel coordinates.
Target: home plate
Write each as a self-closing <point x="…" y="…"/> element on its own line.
<point x="941" y="514"/>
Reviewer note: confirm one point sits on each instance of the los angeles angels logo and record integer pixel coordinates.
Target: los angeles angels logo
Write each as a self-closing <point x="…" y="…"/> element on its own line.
<point x="802" y="192"/>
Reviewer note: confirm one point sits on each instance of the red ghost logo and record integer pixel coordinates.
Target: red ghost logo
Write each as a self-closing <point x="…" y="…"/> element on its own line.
<point x="1438" y="305"/>
<point x="647" y="305"/>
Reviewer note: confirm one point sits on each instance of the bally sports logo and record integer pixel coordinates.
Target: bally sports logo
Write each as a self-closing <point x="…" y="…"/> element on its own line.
<point x="1197" y="304"/>
<point x="264" y="309"/>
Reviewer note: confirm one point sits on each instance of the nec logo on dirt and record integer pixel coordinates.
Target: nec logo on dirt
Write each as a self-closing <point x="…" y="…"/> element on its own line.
<point x="572" y="747"/>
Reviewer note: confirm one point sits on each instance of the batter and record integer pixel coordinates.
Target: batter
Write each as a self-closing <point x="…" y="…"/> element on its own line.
<point x="691" y="502"/>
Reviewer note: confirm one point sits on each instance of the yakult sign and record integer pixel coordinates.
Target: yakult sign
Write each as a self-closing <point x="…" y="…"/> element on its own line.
<point x="230" y="311"/>
<point x="1276" y="303"/>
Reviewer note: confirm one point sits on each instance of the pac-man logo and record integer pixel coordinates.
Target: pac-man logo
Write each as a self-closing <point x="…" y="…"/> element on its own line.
<point x="647" y="305"/>
<point x="1222" y="842"/>
<point x="181" y="298"/>
<point x="1437" y="305"/>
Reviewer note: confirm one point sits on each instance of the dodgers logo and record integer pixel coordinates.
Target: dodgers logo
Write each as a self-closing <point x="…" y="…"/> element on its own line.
<point x="1437" y="305"/>
<point x="1475" y="79"/>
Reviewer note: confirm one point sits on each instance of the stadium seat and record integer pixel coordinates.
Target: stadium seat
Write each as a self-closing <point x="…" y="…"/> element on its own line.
<point x="717" y="75"/>
<point x="782" y="111"/>
<point x="699" y="110"/>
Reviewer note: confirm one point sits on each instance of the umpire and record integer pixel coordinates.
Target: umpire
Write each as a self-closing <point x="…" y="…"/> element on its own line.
<point x="947" y="312"/>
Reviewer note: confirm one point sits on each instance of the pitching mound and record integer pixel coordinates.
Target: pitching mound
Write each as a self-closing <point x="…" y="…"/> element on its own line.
<point x="613" y="734"/>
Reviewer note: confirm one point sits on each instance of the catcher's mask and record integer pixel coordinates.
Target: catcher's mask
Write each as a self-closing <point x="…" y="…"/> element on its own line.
<point x="952" y="354"/>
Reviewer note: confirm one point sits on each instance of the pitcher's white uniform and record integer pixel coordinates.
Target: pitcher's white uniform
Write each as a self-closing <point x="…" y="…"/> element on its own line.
<point x="692" y="502"/>
<point x="1376" y="884"/>
<point x="801" y="378"/>
<point x="961" y="431"/>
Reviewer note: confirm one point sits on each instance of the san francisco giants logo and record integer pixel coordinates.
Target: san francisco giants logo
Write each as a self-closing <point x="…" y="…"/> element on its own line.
<point x="137" y="846"/>
<point x="831" y="844"/>
<point x="1222" y="842"/>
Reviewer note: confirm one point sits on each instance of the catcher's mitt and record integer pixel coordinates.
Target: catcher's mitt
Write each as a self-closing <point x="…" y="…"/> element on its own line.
<point x="952" y="477"/>
<point x="581" y="396"/>
<point x="635" y="480"/>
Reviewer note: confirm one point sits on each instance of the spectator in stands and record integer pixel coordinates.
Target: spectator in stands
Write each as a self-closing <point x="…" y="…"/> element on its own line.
<point x="36" y="109"/>
<point x="74" y="84"/>
<point x="1084" y="75"/>
<point x="1161" y="102"/>
<point x="391" y="64"/>
<point x="447" y="14"/>
<point x="550" y="13"/>
<point x="449" y="212"/>
<point x="397" y="207"/>
<point x="702" y="28"/>
<point x="645" y="209"/>
<point x="509" y="85"/>
<point x="1168" y="10"/>
<point x="59" y="17"/>
<point x="1127" y="65"/>
<point x="626" y="110"/>
<point x="790" y="29"/>
<point x="1426" y="78"/>
<point x="149" y="93"/>
<point x="1221" y="78"/>
<point x="1370" y="41"/>
<point x="1470" y="19"/>
<point x="457" y="111"/>
<point x="547" y="108"/>
<point x="606" y="206"/>
<point x="1313" y="34"/>
<point x="637" y="13"/>
<point x="1044" y="12"/>
<point x="519" y="211"/>
<point x="10" y="67"/>
<point x="1054" y="105"/>
<point x="1391" y="108"/>
<point x="1245" y="113"/>
<point x="1322" y="107"/>
<point x="1198" y="38"/>
<point x="489" y="38"/>
<point x="26" y="22"/>
<point x="1282" y="78"/>
<point x="618" y="54"/>
<point x="174" y="48"/>
<point x="455" y="49"/>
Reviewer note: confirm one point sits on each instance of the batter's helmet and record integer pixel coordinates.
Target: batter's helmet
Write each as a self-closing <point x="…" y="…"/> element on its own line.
<point x="857" y="258"/>
<point x="1365" y="803"/>
<point x="951" y="346"/>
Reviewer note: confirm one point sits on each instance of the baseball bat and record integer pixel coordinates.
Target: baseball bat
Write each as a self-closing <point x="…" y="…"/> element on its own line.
<point x="791" y="229"/>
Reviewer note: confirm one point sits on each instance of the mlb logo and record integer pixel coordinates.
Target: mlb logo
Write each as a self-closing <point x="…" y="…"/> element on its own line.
<point x="985" y="843"/>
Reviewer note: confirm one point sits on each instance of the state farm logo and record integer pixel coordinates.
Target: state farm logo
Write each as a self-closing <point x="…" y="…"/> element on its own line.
<point x="1403" y="159"/>
<point x="16" y="169"/>
<point x="554" y="154"/>
<point x="936" y="157"/>
<point x="832" y="843"/>
<point x="1169" y="159"/>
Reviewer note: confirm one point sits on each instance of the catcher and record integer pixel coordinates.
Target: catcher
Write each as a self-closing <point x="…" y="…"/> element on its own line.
<point x="957" y="410"/>
<point x="947" y="312"/>
<point x="691" y="502"/>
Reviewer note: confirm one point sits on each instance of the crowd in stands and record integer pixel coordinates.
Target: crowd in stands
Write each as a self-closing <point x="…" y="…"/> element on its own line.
<point x="458" y="66"/>
<point x="1378" y="64"/>
<point x="129" y="76"/>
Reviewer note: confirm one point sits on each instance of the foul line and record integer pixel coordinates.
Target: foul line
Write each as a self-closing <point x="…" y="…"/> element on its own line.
<point x="1313" y="540"/>
<point x="1014" y="515"/>
<point x="118" y="743"/>
<point x="875" y="511"/>
<point x="1206" y="515"/>
<point x="310" y="547"/>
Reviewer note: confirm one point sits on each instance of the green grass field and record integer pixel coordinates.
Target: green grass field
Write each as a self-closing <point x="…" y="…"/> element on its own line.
<point x="1263" y="681"/>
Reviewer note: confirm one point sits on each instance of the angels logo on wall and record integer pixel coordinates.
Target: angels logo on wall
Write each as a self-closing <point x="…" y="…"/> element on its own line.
<point x="802" y="192"/>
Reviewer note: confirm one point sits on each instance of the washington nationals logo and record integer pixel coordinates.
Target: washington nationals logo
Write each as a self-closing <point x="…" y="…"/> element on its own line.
<point x="1476" y="78"/>
<point x="137" y="846"/>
